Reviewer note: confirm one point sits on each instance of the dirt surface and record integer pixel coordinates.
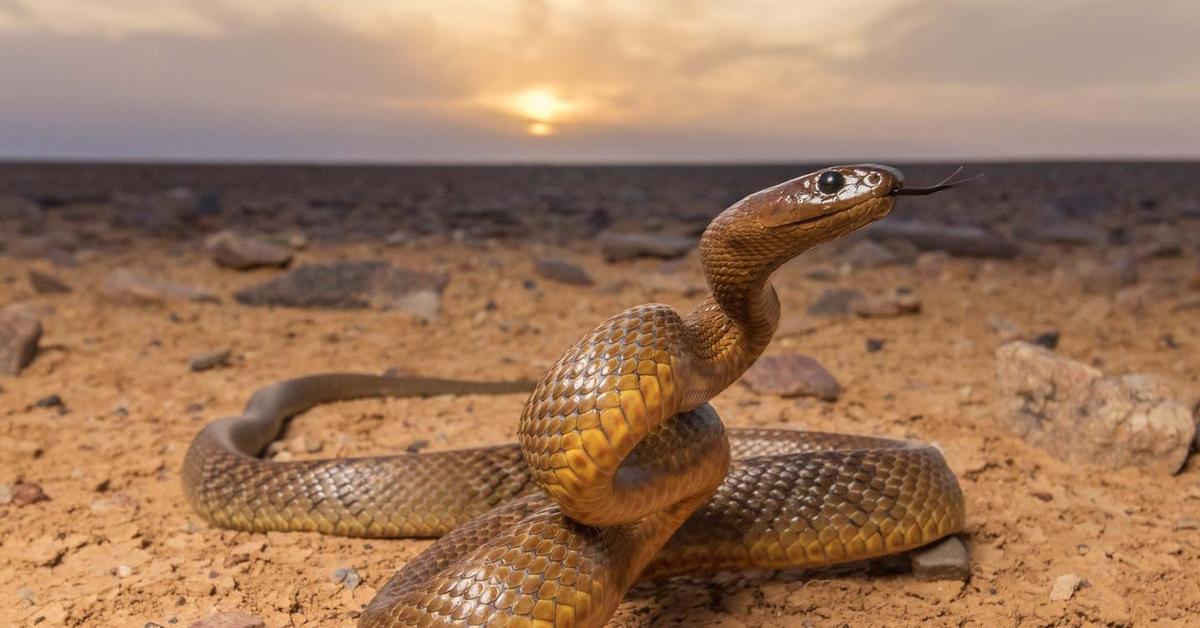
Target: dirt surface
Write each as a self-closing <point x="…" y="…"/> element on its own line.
<point x="116" y="544"/>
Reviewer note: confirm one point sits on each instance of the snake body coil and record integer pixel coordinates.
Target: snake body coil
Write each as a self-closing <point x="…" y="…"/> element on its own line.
<point x="622" y="471"/>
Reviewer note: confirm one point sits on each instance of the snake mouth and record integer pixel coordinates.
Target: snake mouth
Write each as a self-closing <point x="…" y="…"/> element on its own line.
<point x="944" y="184"/>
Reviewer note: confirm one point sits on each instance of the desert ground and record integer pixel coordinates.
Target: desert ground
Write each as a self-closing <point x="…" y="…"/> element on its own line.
<point x="95" y="530"/>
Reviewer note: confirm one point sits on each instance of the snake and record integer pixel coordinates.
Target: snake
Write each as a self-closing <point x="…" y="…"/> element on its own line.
<point x="622" y="470"/>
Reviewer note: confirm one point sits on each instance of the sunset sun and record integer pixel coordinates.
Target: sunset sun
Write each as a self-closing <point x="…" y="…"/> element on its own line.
<point x="542" y="107"/>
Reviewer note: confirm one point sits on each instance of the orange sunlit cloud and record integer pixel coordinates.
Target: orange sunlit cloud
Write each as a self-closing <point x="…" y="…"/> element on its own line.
<point x="630" y="80"/>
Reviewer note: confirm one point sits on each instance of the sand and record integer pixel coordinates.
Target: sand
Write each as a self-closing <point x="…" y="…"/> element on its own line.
<point x="116" y="544"/>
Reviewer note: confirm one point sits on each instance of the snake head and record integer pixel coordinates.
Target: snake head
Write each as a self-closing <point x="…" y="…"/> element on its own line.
<point x="842" y="195"/>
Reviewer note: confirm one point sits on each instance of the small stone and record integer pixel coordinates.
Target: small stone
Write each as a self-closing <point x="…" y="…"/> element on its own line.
<point x="791" y="375"/>
<point x="875" y="345"/>
<point x="230" y="250"/>
<point x="834" y="302"/>
<point x="1047" y="339"/>
<point x="209" y="359"/>
<point x="946" y="559"/>
<point x="123" y="571"/>
<point x="49" y="401"/>
<point x="26" y="493"/>
<point x="45" y="283"/>
<point x="125" y="286"/>
<point x="425" y="305"/>
<point x="886" y="306"/>
<point x="1064" y="587"/>
<point x="234" y="619"/>
<point x="417" y="445"/>
<point x="1106" y="276"/>
<point x="20" y="332"/>
<point x="347" y="577"/>
<point x="869" y="254"/>
<point x="618" y="247"/>
<point x="562" y="271"/>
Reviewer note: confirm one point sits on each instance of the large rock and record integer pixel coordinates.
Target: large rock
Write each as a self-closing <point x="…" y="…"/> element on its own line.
<point x="791" y="375"/>
<point x="561" y="270"/>
<point x="348" y="286"/>
<point x="126" y="286"/>
<point x="618" y="246"/>
<point x="20" y="332"/>
<point x="230" y="250"/>
<point x="1079" y="414"/>
<point x="957" y="240"/>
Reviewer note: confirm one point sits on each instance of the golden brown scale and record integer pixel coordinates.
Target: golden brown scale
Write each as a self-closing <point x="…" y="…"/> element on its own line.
<point x="623" y="470"/>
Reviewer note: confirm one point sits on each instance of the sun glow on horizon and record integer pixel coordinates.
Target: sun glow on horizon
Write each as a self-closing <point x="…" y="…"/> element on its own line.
<point x="542" y="107"/>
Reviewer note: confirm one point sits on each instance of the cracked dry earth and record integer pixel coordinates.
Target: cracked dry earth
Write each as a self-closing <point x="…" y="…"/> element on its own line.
<point x="116" y="545"/>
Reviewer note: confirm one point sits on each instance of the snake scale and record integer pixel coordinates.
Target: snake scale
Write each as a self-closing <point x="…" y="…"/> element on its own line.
<point x="623" y="470"/>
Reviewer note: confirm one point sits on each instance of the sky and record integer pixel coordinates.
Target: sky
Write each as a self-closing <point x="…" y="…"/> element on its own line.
<point x="598" y="80"/>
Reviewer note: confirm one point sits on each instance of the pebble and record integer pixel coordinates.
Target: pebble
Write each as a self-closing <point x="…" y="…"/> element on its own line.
<point x="617" y="247"/>
<point x="231" y="250"/>
<point x="123" y="571"/>
<point x="834" y="302"/>
<point x="45" y="283"/>
<point x="792" y="375"/>
<point x="347" y="577"/>
<point x="25" y="493"/>
<point x="946" y="559"/>
<point x="233" y="619"/>
<point x="964" y="241"/>
<point x="1077" y="413"/>
<point x="875" y="345"/>
<point x="1064" y="587"/>
<point x="1098" y="276"/>
<point x="1047" y="339"/>
<point x="898" y="303"/>
<point x="563" y="271"/>
<point x="209" y="359"/>
<point x="869" y="254"/>
<point x="347" y="286"/>
<point x="49" y="401"/>
<point x="20" y="332"/>
<point x="126" y="286"/>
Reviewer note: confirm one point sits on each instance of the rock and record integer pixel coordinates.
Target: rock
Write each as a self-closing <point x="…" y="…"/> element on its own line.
<point x="125" y="286"/>
<point x="26" y="493"/>
<point x="1162" y="241"/>
<point x="45" y="283"/>
<point x="50" y="401"/>
<point x="791" y="375"/>
<point x="1078" y="414"/>
<point x="932" y="264"/>
<point x="899" y="303"/>
<point x="834" y="302"/>
<point x="1064" y="587"/>
<point x="1047" y="339"/>
<point x="563" y="271"/>
<point x="6" y="494"/>
<point x="230" y="250"/>
<point x="946" y="559"/>
<point x="234" y="619"/>
<point x="875" y="345"/>
<point x="344" y="286"/>
<point x="347" y="577"/>
<point x="869" y="254"/>
<point x="617" y="247"/>
<point x="1097" y="276"/>
<point x="123" y="571"/>
<point x="209" y="359"/>
<point x="1067" y="232"/>
<point x="20" y="331"/>
<point x="425" y="305"/>
<point x="1086" y="205"/>
<point x="957" y="240"/>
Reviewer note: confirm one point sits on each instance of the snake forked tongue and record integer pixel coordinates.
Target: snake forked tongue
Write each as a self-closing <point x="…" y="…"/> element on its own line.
<point x="944" y="184"/>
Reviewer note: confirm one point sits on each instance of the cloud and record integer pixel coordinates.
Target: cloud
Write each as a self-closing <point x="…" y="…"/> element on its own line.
<point x="679" y="79"/>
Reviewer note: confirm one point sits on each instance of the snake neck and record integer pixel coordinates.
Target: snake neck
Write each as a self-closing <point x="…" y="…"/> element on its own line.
<point x="733" y="326"/>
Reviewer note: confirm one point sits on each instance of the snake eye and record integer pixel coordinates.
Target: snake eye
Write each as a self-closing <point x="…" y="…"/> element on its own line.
<point x="830" y="181"/>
